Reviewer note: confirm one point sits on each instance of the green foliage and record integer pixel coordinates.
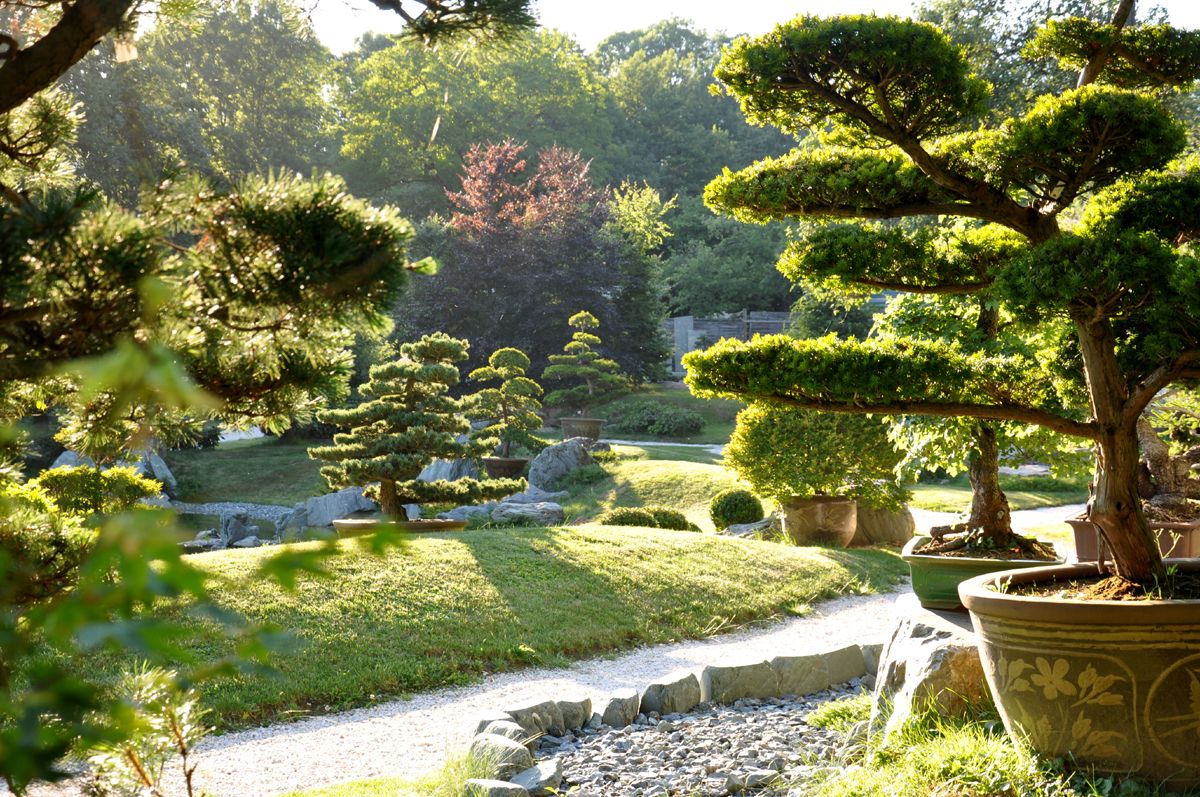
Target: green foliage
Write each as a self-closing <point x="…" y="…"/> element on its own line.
<point x="86" y="490"/>
<point x="733" y="506"/>
<point x="408" y="422"/>
<point x="785" y="451"/>
<point x="1142" y="56"/>
<point x="512" y="407"/>
<point x="666" y="518"/>
<point x="627" y="516"/>
<point x="167" y="722"/>
<point x="870" y="61"/>
<point x="41" y="548"/>
<point x="599" y="378"/>
<point x="644" y="416"/>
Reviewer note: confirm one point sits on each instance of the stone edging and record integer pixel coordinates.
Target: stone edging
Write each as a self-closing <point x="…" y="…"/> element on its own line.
<point x="508" y="738"/>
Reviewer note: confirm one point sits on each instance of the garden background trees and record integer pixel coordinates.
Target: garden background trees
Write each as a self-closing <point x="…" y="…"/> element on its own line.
<point x="902" y="103"/>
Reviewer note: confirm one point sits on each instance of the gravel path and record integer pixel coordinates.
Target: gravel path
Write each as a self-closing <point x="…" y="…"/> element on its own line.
<point x="267" y="511"/>
<point x="1021" y="519"/>
<point x="409" y="737"/>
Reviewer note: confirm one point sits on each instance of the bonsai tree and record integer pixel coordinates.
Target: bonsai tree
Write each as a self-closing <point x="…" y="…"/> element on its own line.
<point x="785" y="452"/>
<point x="900" y="107"/>
<point x="1169" y="482"/>
<point x="598" y="378"/>
<point x="408" y="422"/>
<point x="511" y="408"/>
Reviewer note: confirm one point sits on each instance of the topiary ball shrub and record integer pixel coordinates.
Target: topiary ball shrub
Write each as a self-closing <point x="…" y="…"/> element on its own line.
<point x="627" y="516"/>
<point x="670" y="519"/>
<point x="41" y="548"/>
<point x="734" y="506"/>
<point x="660" y="420"/>
<point x="86" y="490"/>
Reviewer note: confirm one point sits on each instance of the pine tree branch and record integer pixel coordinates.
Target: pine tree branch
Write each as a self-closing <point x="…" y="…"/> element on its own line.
<point x="1095" y="65"/>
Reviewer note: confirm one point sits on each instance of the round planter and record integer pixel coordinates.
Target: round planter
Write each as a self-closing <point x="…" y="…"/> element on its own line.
<point x="1114" y="685"/>
<point x="1177" y="540"/>
<point x="355" y="527"/>
<point x="820" y="520"/>
<point x="581" y="427"/>
<point x="935" y="579"/>
<point x="504" y="467"/>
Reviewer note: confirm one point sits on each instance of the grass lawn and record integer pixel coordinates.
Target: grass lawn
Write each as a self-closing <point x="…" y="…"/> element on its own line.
<point x="1024" y="492"/>
<point x="265" y="470"/>
<point x="448" y="608"/>
<point x="718" y="414"/>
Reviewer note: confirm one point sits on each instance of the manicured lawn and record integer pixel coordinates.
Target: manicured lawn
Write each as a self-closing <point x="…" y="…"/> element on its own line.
<point x="266" y="470"/>
<point x="1024" y="492"/>
<point x="719" y="414"/>
<point x="448" y="608"/>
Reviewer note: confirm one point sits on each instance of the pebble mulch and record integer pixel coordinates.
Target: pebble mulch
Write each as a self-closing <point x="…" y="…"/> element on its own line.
<point x="760" y="747"/>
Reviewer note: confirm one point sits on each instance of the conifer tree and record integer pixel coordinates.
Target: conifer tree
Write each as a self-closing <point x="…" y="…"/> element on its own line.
<point x="598" y="377"/>
<point x="511" y="408"/>
<point x="409" y="422"/>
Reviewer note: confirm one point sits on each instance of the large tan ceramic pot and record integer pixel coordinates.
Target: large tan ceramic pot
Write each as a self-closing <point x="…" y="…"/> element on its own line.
<point x="1178" y="540"/>
<point x="820" y="520"/>
<point x="1109" y="684"/>
<point x="581" y="427"/>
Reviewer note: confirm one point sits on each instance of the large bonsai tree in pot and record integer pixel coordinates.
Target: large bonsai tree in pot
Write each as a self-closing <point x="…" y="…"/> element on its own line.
<point x="510" y="411"/>
<point x="587" y="376"/>
<point x="408" y="422"/>
<point x="902" y="105"/>
<point x="818" y="466"/>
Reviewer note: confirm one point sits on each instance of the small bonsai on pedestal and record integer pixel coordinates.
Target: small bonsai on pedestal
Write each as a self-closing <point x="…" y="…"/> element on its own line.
<point x="408" y="422"/>
<point x="510" y="409"/>
<point x="597" y="378"/>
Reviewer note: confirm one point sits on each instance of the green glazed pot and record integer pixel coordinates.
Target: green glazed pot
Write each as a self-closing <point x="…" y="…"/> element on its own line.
<point x="935" y="579"/>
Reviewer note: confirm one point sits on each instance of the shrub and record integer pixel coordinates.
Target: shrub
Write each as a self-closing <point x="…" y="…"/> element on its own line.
<point x="627" y="516"/>
<point x="40" y="547"/>
<point x="733" y="506"/>
<point x="670" y="518"/>
<point x="87" y="490"/>
<point x="661" y="420"/>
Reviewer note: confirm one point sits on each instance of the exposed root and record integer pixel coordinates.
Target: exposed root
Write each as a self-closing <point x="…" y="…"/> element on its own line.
<point x="961" y="539"/>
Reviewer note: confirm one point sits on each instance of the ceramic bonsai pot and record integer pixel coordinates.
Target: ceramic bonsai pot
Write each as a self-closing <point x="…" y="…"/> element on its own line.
<point x="1176" y="540"/>
<point x="1114" y="685"/>
<point x="356" y="527"/>
<point x="935" y="579"/>
<point x="504" y="467"/>
<point x="581" y="427"/>
<point x="820" y="520"/>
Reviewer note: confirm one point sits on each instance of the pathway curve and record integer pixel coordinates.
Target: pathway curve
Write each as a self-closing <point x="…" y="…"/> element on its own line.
<point x="409" y="737"/>
<point x="712" y="448"/>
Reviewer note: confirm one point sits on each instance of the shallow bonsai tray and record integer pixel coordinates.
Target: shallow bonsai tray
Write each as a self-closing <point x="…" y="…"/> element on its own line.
<point x="935" y="579"/>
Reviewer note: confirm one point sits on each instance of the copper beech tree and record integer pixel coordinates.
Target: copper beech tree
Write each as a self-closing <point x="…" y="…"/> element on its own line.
<point x="898" y="109"/>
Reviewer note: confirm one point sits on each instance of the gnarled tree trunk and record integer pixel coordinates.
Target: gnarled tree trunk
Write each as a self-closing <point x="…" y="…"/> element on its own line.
<point x="990" y="513"/>
<point x="1117" y="508"/>
<point x="389" y="502"/>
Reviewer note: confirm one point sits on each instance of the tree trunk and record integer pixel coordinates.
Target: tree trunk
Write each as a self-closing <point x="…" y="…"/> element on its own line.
<point x="989" y="506"/>
<point x="389" y="502"/>
<point x="1117" y="509"/>
<point x="1158" y="459"/>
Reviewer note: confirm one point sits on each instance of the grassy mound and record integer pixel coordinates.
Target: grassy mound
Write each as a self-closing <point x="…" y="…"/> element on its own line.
<point x="718" y="414"/>
<point x="265" y="470"/>
<point x="449" y="608"/>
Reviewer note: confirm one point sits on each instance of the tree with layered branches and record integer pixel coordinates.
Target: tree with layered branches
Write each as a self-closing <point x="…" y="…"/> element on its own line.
<point x="510" y="408"/>
<point x="408" y="422"/>
<point x="898" y="106"/>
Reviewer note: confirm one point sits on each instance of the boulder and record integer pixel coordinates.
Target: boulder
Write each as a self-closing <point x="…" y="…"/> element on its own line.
<point x="200" y="546"/>
<point x="482" y="787"/>
<point x="487" y="718"/>
<point x="236" y="527"/>
<point x="156" y="468"/>
<point x="450" y="469"/>
<point x="575" y="713"/>
<point x="534" y="495"/>
<point x="727" y="683"/>
<point x="557" y="461"/>
<point x="545" y="717"/>
<point x="751" y="529"/>
<point x="542" y="779"/>
<point x="672" y="697"/>
<point x="545" y="513"/>
<point x="247" y="542"/>
<point x="507" y="756"/>
<point x="883" y="526"/>
<point x="294" y="522"/>
<point x="468" y="512"/>
<point x="69" y="459"/>
<point x="801" y="675"/>
<point x="324" y="509"/>
<point x="845" y="664"/>
<point x="931" y="661"/>
<point x="622" y="708"/>
<point x="511" y="730"/>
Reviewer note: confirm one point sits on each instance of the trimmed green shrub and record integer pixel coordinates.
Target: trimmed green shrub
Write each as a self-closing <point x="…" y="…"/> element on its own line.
<point x="511" y="408"/>
<point x="87" y="490"/>
<point x="643" y="416"/>
<point x="670" y="518"/>
<point x="733" y="506"/>
<point x="41" y="548"/>
<point x="596" y="378"/>
<point x="627" y="516"/>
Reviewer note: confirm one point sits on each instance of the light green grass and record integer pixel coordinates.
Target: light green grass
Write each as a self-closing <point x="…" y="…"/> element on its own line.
<point x="449" y="608"/>
<point x="671" y="453"/>
<point x="1024" y="492"/>
<point x="718" y="414"/>
<point x="266" y="470"/>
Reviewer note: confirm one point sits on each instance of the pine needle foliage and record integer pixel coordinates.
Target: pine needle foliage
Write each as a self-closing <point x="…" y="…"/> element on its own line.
<point x="598" y="378"/>
<point x="511" y="408"/>
<point x="408" y="422"/>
